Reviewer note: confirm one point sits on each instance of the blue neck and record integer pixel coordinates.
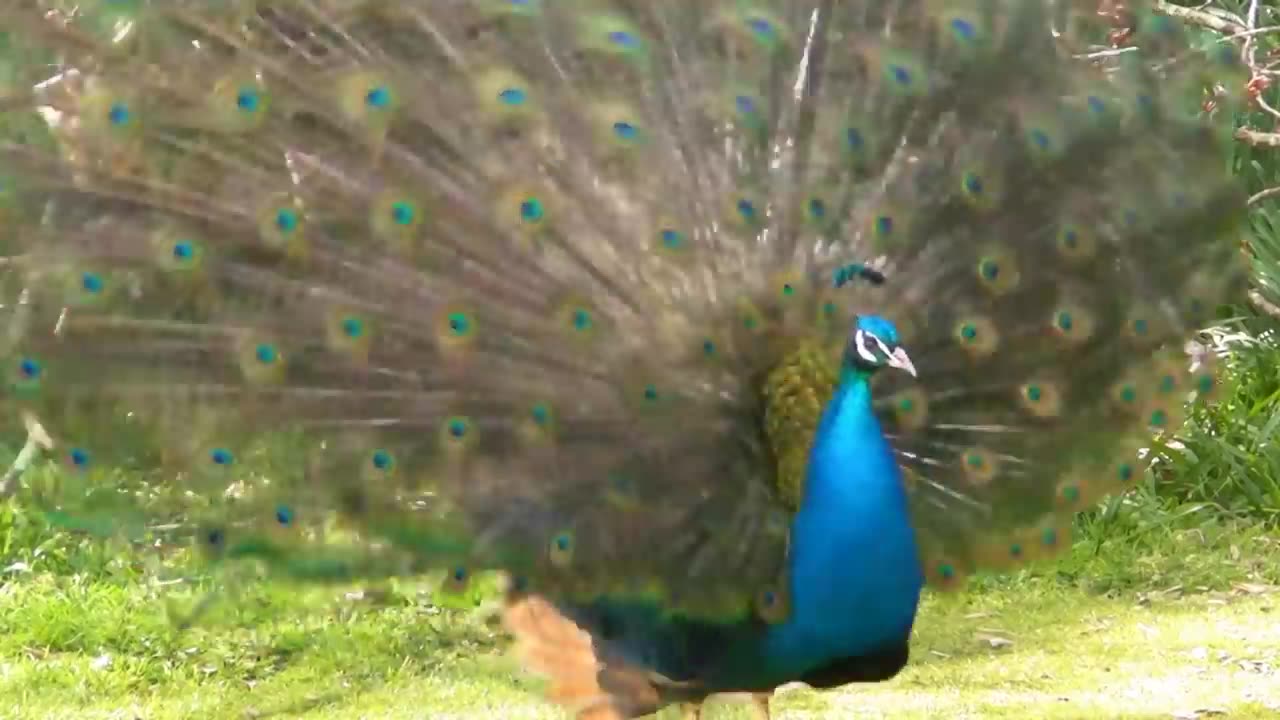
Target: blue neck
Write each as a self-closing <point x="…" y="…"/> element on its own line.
<point x="854" y="567"/>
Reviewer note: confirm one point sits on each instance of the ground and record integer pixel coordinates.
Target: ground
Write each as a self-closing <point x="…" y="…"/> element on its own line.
<point x="1188" y="627"/>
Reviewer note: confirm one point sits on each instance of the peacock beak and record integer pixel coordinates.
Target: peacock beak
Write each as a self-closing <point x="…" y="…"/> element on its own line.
<point x="898" y="359"/>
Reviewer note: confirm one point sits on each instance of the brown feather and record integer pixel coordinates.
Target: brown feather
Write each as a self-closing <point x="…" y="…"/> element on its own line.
<point x="593" y="685"/>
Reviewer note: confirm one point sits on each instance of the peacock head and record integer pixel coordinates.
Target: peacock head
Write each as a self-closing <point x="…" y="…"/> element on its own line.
<point x="874" y="344"/>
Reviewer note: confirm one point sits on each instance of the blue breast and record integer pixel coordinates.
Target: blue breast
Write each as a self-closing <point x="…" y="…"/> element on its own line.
<point x="855" y="571"/>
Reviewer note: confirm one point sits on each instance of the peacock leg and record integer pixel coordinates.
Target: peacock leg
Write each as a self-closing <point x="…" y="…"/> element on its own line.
<point x="760" y="705"/>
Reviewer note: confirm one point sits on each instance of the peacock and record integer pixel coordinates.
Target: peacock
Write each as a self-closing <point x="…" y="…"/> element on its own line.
<point x="720" y="329"/>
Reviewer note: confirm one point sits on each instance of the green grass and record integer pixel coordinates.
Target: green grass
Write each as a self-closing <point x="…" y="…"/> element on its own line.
<point x="1163" y="607"/>
<point x="1138" y="621"/>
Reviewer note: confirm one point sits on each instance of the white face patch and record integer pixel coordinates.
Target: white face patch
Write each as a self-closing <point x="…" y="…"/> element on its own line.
<point x="860" y="342"/>
<point x="866" y="343"/>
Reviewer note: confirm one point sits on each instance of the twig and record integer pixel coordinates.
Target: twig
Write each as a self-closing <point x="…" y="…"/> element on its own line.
<point x="1201" y="18"/>
<point x="1263" y="195"/>
<point x="37" y="440"/>
<point x="1110" y="52"/>
<point x="1263" y="304"/>
<point x="1257" y="138"/>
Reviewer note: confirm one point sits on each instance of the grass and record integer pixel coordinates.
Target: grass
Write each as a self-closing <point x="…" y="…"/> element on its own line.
<point x="1135" y="622"/>
<point x="1166" y="607"/>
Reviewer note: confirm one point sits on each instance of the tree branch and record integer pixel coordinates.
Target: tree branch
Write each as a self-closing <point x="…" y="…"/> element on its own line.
<point x="1200" y="17"/>
<point x="1263" y="304"/>
<point x="1257" y="138"/>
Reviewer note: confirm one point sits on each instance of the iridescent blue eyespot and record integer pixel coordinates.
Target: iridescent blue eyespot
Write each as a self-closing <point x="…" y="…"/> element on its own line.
<point x="761" y="27"/>
<point x="79" y="457"/>
<point x="581" y="319"/>
<point x="214" y="537"/>
<point x="352" y="327"/>
<point x="747" y="210"/>
<point x="286" y="220"/>
<point x="266" y="354"/>
<point x="884" y="225"/>
<point x="459" y="574"/>
<point x="672" y="239"/>
<point x="284" y="515"/>
<point x="853" y="138"/>
<point x="973" y="183"/>
<point x="118" y="114"/>
<point x="1096" y="105"/>
<point x="381" y="459"/>
<point x="29" y="368"/>
<point x="708" y="347"/>
<point x="91" y="283"/>
<point x="623" y="38"/>
<point x="248" y="100"/>
<point x="457" y="428"/>
<point x="512" y="96"/>
<point x="625" y="130"/>
<point x="221" y="456"/>
<point x="531" y="210"/>
<point x="650" y="392"/>
<point x="402" y="213"/>
<point x="459" y="323"/>
<point x="1040" y="139"/>
<point x="745" y="105"/>
<point x="183" y="250"/>
<point x="963" y="29"/>
<point x="378" y="97"/>
<point x="901" y="75"/>
<point x="541" y="414"/>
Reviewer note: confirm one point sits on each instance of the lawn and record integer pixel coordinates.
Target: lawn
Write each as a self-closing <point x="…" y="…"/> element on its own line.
<point x="1178" y="624"/>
